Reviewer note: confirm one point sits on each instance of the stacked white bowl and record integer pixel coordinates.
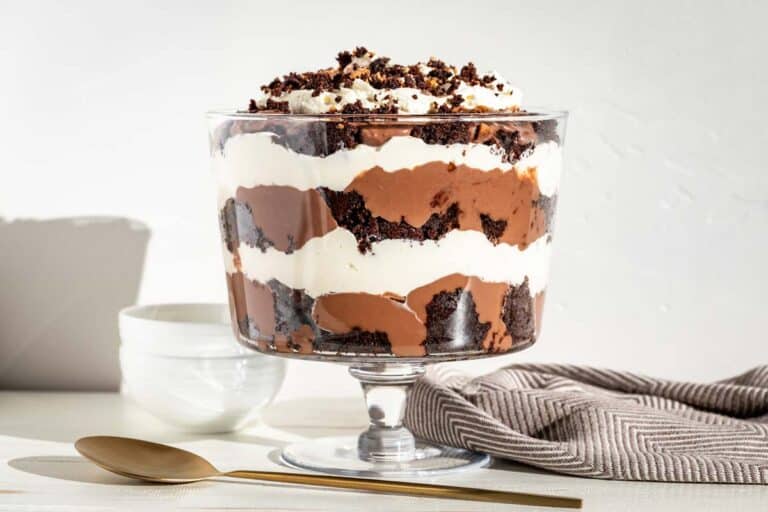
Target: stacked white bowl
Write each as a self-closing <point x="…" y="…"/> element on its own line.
<point x="181" y="363"/>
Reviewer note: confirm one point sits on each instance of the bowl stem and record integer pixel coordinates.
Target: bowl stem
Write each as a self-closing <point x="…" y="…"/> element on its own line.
<point x="386" y="387"/>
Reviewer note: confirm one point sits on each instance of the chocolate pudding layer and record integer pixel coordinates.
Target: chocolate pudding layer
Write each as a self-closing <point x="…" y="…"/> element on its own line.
<point x="423" y="203"/>
<point x="454" y="315"/>
<point x="386" y="211"/>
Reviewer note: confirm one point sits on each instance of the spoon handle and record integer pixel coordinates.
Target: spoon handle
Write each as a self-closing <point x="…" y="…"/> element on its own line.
<point x="412" y="489"/>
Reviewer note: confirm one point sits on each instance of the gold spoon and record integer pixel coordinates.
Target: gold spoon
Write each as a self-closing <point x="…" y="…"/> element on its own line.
<point x="155" y="462"/>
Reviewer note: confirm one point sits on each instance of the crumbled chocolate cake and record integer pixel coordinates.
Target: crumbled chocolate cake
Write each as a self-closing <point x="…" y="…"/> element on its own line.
<point x="323" y="138"/>
<point x="458" y="132"/>
<point x="355" y="342"/>
<point x="228" y="224"/>
<point x="350" y="212"/>
<point x="518" y="313"/>
<point x="354" y="108"/>
<point x="453" y="324"/>
<point x="547" y="204"/>
<point x="493" y="229"/>
<point x="514" y="144"/>
<point x="236" y="222"/>
<point x="293" y="308"/>
<point x="546" y="131"/>
<point x="468" y="73"/>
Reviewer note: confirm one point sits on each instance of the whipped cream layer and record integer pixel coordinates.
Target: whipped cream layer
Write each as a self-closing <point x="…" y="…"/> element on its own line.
<point x="333" y="264"/>
<point x="498" y="95"/>
<point x="254" y="159"/>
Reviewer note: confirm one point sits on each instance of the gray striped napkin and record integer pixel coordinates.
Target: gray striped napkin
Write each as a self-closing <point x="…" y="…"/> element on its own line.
<point x="601" y="423"/>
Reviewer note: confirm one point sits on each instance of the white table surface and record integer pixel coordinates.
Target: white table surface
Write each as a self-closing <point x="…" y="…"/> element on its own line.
<point x="40" y="470"/>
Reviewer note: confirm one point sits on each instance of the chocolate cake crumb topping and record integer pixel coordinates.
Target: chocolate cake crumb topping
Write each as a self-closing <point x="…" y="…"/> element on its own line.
<point x="453" y="323"/>
<point x="518" y="313"/>
<point x="468" y="73"/>
<point x="272" y="106"/>
<point x="354" y="108"/>
<point x="379" y="65"/>
<point x="343" y="58"/>
<point x="435" y="78"/>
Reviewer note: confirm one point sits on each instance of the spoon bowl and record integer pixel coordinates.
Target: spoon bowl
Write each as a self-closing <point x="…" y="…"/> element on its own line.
<point x="145" y="460"/>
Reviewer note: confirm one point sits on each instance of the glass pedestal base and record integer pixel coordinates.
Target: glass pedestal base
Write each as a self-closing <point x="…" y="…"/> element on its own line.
<point x="386" y="448"/>
<point x="341" y="456"/>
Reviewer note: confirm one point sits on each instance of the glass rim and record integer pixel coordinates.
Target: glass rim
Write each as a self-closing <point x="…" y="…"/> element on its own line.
<point x="534" y="114"/>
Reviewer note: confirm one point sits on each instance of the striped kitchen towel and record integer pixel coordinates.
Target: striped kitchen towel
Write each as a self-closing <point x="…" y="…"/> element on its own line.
<point x="602" y="424"/>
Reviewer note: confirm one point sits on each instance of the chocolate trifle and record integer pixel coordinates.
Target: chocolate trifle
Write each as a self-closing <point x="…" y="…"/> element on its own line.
<point x="377" y="210"/>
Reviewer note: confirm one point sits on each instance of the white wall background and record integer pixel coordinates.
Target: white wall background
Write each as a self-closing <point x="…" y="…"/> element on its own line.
<point x="661" y="244"/>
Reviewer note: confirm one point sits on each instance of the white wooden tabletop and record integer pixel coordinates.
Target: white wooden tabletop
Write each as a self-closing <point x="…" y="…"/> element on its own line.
<point x="40" y="470"/>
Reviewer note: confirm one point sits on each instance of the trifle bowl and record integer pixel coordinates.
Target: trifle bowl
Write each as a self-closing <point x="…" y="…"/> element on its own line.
<point x="383" y="217"/>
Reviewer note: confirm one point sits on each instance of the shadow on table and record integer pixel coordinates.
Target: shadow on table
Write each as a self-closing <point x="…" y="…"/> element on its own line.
<point x="505" y="465"/>
<point x="79" y="469"/>
<point x="63" y="282"/>
<point x="76" y="469"/>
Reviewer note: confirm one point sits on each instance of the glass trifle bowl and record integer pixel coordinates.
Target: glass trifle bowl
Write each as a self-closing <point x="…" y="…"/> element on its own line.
<point x="386" y="242"/>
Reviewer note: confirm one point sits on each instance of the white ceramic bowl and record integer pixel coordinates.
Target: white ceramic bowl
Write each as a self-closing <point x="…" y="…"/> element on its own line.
<point x="181" y="362"/>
